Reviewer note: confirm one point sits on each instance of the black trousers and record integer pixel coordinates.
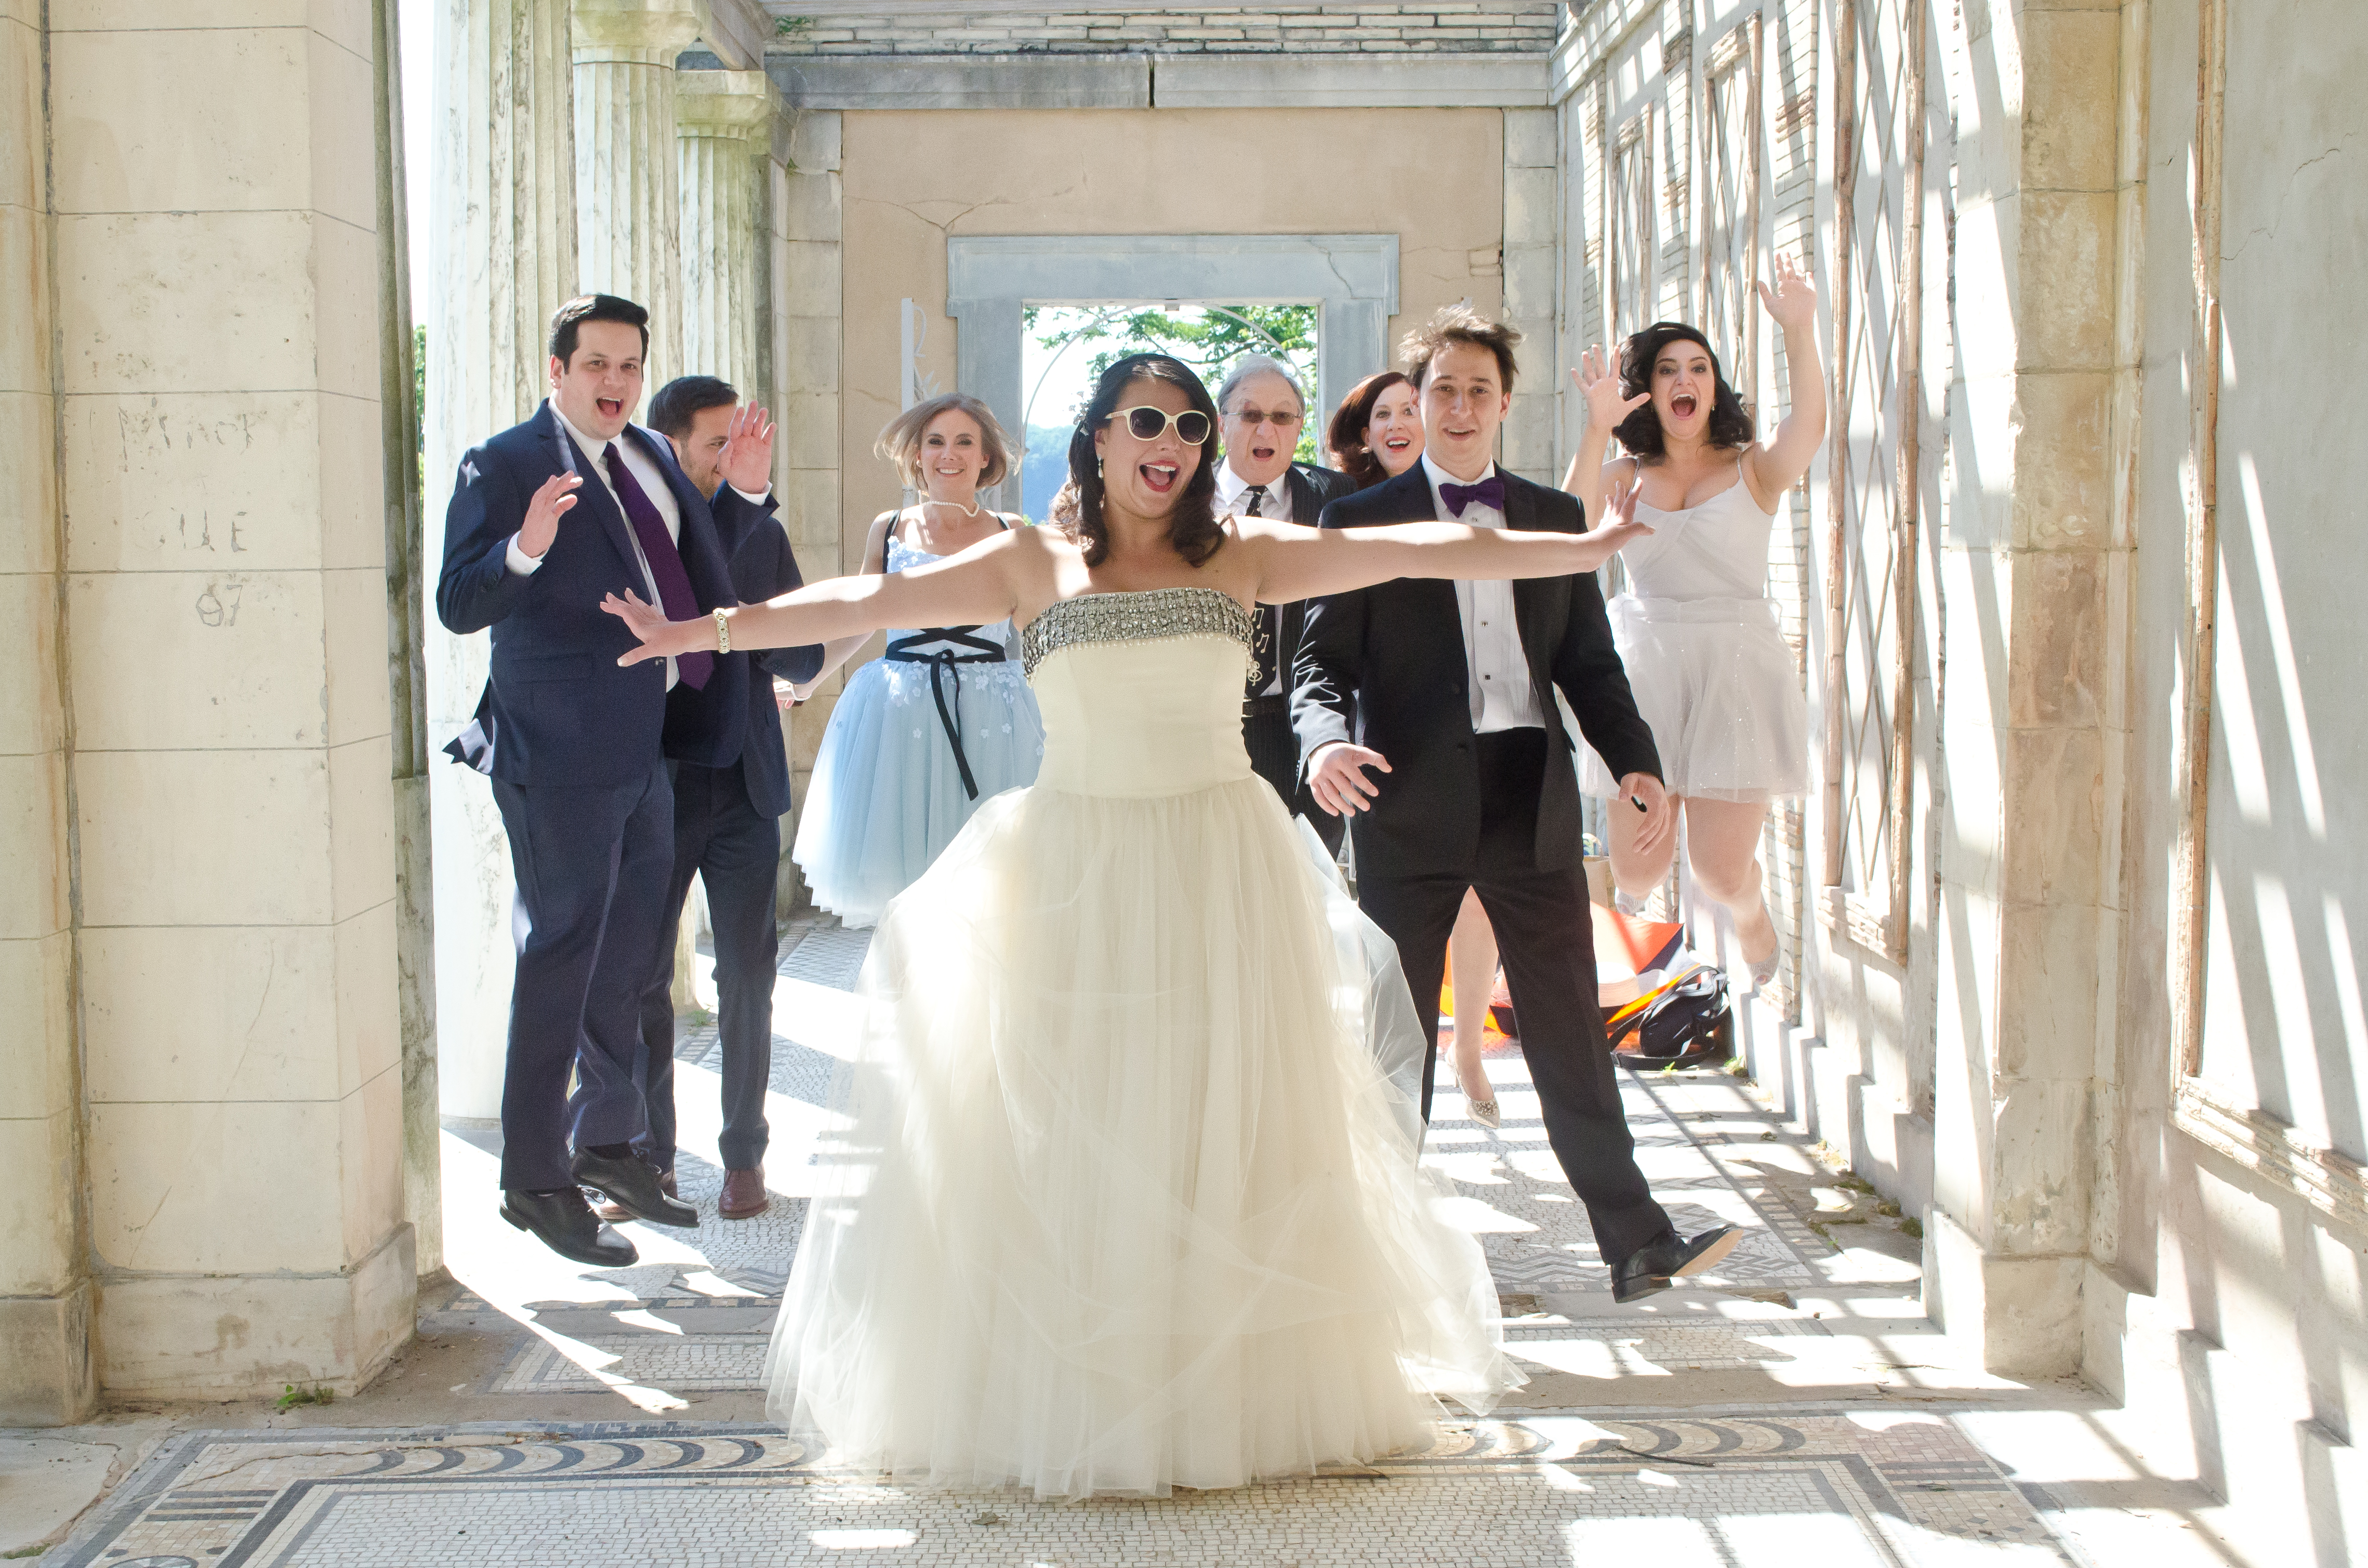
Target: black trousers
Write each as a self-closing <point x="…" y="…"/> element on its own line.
<point x="1274" y="757"/>
<point x="1545" y="934"/>
<point x="736" y="850"/>
<point x="591" y="867"/>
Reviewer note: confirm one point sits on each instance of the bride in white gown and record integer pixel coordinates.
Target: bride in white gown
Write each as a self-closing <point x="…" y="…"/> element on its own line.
<point x="1126" y="1202"/>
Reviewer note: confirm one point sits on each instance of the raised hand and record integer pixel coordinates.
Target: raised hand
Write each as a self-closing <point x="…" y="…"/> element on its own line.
<point x="1601" y="387"/>
<point x="1618" y="530"/>
<point x="660" y="636"/>
<point x="544" y="511"/>
<point x="747" y="461"/>
<point x="1793" y="301"/>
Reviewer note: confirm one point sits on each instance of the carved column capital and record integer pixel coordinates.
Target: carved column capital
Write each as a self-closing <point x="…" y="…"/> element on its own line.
<point x="738" y="104"/>
<point x="631" y="33"/>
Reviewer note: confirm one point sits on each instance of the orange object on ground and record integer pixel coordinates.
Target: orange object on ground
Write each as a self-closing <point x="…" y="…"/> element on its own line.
<point x="1625" y="946"/>
<point x="1496" y="1029"/>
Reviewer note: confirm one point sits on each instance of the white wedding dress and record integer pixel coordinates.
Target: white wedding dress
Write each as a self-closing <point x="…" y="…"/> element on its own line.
<point x="1124" y="1200"/>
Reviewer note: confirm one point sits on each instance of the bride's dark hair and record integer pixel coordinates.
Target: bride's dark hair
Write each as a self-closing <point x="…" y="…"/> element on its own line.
<point x="1192" y="521"/>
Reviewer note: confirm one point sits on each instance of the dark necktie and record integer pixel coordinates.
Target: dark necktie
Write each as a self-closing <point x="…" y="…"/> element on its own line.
<point x="1269" y="621"/>
<point x="1489" y="491"/>
<point x="666" y="561"/>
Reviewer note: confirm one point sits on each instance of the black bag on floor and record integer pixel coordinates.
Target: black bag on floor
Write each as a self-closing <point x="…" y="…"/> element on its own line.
<point x="1687" y="1024"/>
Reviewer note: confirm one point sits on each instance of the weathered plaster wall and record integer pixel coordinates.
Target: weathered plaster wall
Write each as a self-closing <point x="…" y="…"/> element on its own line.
<point x="911" y="180"/>
<point x="2226" y="1307"/>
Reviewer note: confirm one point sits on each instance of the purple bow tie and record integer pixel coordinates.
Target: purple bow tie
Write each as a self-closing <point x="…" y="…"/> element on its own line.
<point x="1489" y="491"/>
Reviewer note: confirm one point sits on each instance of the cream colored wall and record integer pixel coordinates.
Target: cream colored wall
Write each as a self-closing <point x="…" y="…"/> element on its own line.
<point x="913" y="180"/>
<point x="205" y="707"/>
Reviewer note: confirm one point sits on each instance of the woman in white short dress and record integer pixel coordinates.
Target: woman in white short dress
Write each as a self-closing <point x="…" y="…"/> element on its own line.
<point x="1123" y="1200"/>
<point x="1696" y="628"/>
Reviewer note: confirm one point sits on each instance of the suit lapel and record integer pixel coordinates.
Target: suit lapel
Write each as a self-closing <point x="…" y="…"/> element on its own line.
<point x="593" y="494"/>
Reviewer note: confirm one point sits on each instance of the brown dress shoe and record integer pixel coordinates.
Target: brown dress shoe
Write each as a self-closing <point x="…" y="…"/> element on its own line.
<point x="615" y="1212"/>
<point x="744" y="1195"/>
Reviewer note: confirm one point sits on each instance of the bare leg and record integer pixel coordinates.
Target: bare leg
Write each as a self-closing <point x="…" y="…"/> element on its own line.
<point x="1634" y="874"/>
<point x="1723" y="847"/>
<point x="1471" y="969"/>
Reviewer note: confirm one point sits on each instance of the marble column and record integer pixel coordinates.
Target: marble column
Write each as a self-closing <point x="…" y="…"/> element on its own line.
<point x="724" y="132"/>
<point x="628" y="219"/>
<point x="46" y="1371"/>
<point x="218" y="298"/>
<point x="2034" y="567"/>
<point x="503" y="214"/>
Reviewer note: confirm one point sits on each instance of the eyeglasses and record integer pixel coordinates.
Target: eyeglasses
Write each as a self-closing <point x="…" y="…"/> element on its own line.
<point x="1252" y="419"/>
<point x="1146" y="423"/>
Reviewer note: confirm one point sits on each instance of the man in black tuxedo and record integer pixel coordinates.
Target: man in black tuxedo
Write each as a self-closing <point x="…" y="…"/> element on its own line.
<point x="547" y="518"/>
<point x="1260" y="411"/>
<point x="731" y="780"/>
<point x="1446" y="689"/>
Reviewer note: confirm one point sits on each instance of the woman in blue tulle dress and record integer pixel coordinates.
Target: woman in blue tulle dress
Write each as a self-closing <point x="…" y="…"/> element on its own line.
<point x="943" y="721"/>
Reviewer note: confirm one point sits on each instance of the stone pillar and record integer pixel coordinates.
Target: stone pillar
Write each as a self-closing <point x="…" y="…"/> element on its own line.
<point x="46" y="1372"/>
<point x="2029" y="566"/>
<point x="724" y="132"/>
<point x="806" y="308"/>
<point x="628" y="215"/>
<point x="504" y="221"/>
<point x="1532" y="190"/>
<point x="218" y="300"/>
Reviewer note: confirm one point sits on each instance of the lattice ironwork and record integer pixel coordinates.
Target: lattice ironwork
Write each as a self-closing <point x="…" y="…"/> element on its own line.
<point x="1631" y="205"/>
<point x="1730" y="161"/>
<point x="1873" y="499"/>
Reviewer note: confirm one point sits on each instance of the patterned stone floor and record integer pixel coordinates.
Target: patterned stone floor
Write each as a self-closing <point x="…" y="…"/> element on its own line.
<point x="1707" y="1488"/>
<point x="1790" y="1409"/>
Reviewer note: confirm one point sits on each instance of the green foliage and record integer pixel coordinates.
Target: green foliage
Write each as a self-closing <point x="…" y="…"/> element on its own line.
<point x="1914" y="1229"/>
<point x="319" y="1394"/>
<point x="785" y="27"/>
<point x="1209" y="338"/>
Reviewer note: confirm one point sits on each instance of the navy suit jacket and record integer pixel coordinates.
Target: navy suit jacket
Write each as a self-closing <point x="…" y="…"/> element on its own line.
<point x="559" y="710"/>
<point x="703" y="724"/>
<point x="1384" y="667"/>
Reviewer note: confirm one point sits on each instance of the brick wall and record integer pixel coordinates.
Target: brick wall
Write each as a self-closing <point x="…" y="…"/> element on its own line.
<point x="1434" y="27"/>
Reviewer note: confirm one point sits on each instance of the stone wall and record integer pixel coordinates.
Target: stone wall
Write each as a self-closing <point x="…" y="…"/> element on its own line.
<point x="1427" y="27"/>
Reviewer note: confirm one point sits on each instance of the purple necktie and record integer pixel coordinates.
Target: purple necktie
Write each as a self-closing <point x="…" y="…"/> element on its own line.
<point x="1489" y="491"/>
<point x="666" y="561"/>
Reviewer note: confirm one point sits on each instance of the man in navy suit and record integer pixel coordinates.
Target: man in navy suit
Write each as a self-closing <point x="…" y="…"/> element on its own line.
<point x="731" y="777"/>
<point x="547" y="518"/>
<point x="1448" y="690"/>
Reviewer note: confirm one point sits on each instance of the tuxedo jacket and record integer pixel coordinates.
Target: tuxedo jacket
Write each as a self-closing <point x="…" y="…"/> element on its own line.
<point x="558" y="708"/>
<point x="1384" y="667"/>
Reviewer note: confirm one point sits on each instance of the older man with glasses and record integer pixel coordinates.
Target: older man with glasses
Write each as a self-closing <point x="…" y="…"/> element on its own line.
<point x="1259" y="414"/>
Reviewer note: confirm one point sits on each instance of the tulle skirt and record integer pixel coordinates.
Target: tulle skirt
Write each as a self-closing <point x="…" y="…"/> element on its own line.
<point x="1124" y="1200"/>
<point x="887" y="797"/>
<point x="1717" y="684"/>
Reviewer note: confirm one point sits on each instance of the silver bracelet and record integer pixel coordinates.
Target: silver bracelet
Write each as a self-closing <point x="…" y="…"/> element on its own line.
<point x="722" y="633"/>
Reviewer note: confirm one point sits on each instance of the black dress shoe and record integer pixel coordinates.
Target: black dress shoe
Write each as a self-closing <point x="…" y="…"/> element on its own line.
<point x="632" y="1184"/>
<point x="1657" y="1265"/>
<point x="568" y="1227"/>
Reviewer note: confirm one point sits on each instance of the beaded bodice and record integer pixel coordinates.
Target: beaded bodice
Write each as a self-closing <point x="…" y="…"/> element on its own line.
<point x="1148" y="701"/>
<point x="1147" y="616"/>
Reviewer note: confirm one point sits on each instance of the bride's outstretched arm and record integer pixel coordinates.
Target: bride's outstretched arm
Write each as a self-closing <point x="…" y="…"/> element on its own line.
<point x="971" y="588"/>
<point x="1305" y="563"/>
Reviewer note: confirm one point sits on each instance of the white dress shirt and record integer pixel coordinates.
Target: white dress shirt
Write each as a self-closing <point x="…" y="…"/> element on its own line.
<point x="1234" y="493"/>
<point x="1498" y="683"/>
<point x="1233" y="501"/>
<point x="653" y="486"/>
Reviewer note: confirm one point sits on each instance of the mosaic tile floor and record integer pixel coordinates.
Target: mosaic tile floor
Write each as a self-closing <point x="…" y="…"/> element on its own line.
<point x="694" y="1317"/>
<point x="1737" y="1490"/>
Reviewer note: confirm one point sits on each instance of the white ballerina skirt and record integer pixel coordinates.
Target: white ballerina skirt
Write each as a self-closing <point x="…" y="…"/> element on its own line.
<point x="1124" y="1199"/>
<point x="1716" y="682"/>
